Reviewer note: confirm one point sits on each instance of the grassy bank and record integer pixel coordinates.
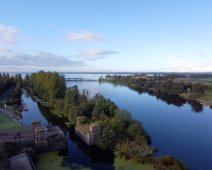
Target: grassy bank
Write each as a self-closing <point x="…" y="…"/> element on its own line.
<point x="52" y="161"/>
<point x="5" y="122"/>
<point x="120" y="164"/>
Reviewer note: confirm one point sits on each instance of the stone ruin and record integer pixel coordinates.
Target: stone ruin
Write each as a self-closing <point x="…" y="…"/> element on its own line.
<point x="90" y="137"/>
<point x="49" y="138"/>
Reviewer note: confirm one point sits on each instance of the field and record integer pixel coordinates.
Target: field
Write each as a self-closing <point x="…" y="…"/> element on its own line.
<point x="5" y="122"/>
<point x="208" y="92"/>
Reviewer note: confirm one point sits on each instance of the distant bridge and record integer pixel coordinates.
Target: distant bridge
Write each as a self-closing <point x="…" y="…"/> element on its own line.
<point x="80" y="79"/>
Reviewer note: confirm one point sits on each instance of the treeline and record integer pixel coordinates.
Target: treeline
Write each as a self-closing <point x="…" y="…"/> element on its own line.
<point x="119" y="131"/>
<point x="158" y="84"/>
<point x="49" y="86"/>
<point x="11" y="85"/>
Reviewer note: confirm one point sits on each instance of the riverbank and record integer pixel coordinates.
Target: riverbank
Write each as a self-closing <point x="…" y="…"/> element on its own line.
<point x="194" y="91"/>
<point x="53" y="161"/>
<point x="121" y="164"/>
<point x="206" y="99"/>
<point x="6" y="122"/>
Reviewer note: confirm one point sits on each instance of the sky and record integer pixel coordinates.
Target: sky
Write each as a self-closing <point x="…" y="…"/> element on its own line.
<point x="106" y="35"/>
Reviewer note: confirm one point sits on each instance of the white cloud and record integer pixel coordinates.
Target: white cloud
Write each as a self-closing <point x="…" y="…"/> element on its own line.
<point x="36" y="59"/>
<point x="9" y="36"/>
<point x="85" y="36"/>
<point x="94" y="54"/>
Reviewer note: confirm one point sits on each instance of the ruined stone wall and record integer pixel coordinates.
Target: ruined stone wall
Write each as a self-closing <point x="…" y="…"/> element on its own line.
<point x="90" y="138"/>
<point x="84" y="136"/>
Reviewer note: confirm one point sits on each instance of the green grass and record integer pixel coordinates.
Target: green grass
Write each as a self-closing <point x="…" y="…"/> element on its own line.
<point x="52" y="161"/>
<point x="5" y="122"/>
<point x="207" y="95"/>
<point x="121" y="164"/>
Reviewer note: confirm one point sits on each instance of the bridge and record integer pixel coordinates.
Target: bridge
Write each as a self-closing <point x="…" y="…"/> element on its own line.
<point x="80" y="79"/>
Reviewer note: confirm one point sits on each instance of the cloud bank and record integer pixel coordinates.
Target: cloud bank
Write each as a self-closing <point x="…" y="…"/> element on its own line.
<point x="36" y="59"/>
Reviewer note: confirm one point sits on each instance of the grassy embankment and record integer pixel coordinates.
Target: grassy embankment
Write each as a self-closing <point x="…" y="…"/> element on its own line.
<point x="53" y="161"/>
<point x="206" y="98"/>
<point x="120" y="164"/>
<point x="6" y="122"/>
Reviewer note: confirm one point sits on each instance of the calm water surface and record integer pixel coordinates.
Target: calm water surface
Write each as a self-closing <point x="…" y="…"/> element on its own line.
<point x="177" y="128"/>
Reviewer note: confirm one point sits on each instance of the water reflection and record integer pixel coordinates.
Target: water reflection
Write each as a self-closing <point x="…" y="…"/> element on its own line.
<point x="173" y="100"/>
<point x="196" y="107"/>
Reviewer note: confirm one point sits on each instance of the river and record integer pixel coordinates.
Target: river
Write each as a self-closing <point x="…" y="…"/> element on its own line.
<point x="176" y="127"/>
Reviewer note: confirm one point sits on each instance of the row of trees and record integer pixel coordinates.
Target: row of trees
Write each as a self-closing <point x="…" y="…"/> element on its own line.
<point x="8" y="81"/>
<point x="50" y="86"/>
<point x="11" y="85"/>
<point x="165" y="85"/>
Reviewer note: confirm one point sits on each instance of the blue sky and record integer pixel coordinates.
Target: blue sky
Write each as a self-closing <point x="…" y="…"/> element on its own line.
<point x="106" y="35"/>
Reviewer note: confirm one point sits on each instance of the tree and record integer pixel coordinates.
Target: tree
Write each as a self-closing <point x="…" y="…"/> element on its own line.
<point x="72" y="96"/>
<point x="198" y="88"/>
<point x="106" y="138"/>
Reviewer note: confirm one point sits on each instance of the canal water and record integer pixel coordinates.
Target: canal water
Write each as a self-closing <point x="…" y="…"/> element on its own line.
<point x="176" y="127"/>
